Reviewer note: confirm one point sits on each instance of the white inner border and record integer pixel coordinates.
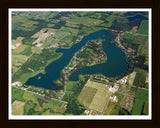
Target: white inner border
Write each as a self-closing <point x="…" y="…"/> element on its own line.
<point x="64" y="117"/>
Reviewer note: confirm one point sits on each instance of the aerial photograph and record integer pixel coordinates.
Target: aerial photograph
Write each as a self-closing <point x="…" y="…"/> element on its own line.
<point x="79" y="62"/>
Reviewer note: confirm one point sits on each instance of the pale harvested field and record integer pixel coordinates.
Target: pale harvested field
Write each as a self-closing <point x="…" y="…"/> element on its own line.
<point x="18" y="108"/>
<point x="131" y="78"/>
<point x="42" y="36"/>
<point x="19" y="39"/>
<point x="20" y="48"/>
<point x="19" y="58"/>
<point x="29" y="23"/>
<point x="86" y="96"/>
<point x="99" y="99"/>
<point x="33" y="49"/>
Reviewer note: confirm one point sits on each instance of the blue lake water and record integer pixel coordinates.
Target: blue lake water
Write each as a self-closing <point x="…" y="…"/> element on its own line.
<point x="136" y="17"/>
<point x="115" y="21"/>
<point x="114" y="66"/>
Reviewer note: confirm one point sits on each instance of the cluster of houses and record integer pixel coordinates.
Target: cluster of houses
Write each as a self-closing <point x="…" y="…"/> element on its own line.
<point x="113" y="89"/>
<point x="17" y="83"/>
<point x="124" y="80"/>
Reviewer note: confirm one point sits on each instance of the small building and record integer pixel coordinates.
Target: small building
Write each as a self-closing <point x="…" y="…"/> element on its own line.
<point x="114" y="98"/>
<point x="112" y="89"/>
<point x="86" y="111"/>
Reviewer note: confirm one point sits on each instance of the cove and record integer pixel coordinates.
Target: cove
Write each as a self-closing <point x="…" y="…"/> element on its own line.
<point x="115" y="57"/>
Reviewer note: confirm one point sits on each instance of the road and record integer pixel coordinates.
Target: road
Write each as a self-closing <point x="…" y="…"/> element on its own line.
<point x="41" y="95"/>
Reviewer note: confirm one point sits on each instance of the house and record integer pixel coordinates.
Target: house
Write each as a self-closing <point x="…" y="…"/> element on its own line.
<point x="114" y="98"/>
<point x="112" y="89"/>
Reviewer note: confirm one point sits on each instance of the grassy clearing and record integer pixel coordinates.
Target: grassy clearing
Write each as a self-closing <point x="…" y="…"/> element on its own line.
<point x="85" y="20"/>
<point x="18" y="19"/>
<point x="110" y="107"/>
<point x="56" y="106"/>
<point x="143" y="49"/>
<point x="146" y="108"/>
<point x="17" y="94"/>
<point x="131" y="78"/>
<point x="18" y="107"/>
<point x="70" y="86"/>
<point x="134" y="30"/>
<point x="141" y="97"/>
<point x="128" y="36"/>
<point x="27" y="95"/>
<point x="143" y="29"/>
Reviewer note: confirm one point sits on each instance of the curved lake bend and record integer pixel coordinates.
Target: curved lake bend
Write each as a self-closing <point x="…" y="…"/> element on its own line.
<point x="114" y="66"/>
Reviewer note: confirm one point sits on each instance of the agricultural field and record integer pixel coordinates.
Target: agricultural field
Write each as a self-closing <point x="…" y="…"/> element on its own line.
<point x="87" y="95"/>
<point x="18" y="107"/>
<point x="110" y="107"/>
<point x="143" y="29"/>
<point x="26" y="103"/>
<point x="128" y="94"/>
<point x="141" y="102"/>
<point x="94" y="96"/>
<point x="85" y="20"/>
<point x="131" y="78"/>
<point x="140" y="77"/>
<point x="20" y="48"/>
<point x="40" y="38"/>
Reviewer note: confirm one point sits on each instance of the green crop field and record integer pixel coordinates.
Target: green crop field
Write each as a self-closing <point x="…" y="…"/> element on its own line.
<point x="85" y="20"/>
<point x="146" y="108"/>
<point x="110" y="107"/>
<point x="143" y="29"/>
<point x="140" y="77"/>
<point x="55" y="105"/>
<point x="141" y="97"/>
<point x="128" y="36"/>
<point x="17" y="94"/>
